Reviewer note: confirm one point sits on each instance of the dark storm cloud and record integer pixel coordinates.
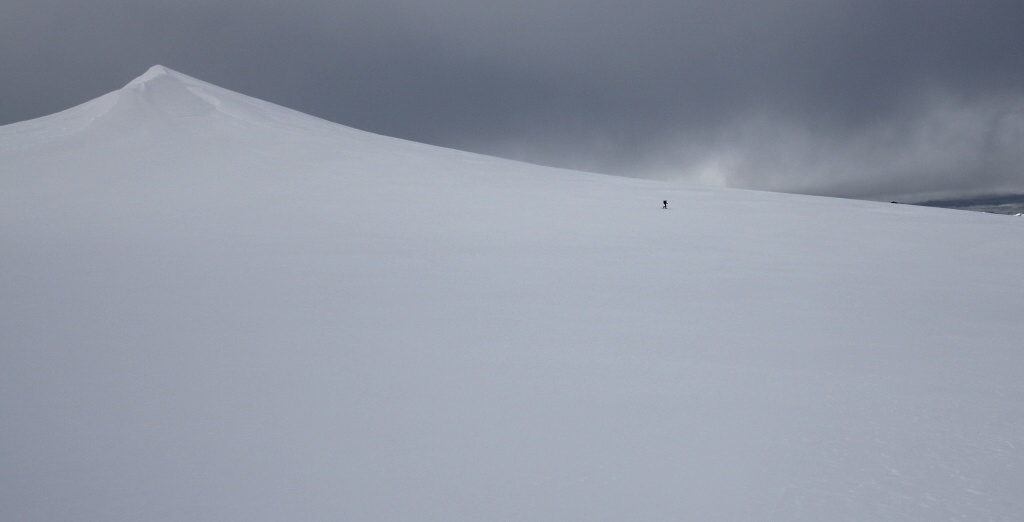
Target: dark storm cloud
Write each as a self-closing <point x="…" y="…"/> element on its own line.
<point x="856" y="98"/>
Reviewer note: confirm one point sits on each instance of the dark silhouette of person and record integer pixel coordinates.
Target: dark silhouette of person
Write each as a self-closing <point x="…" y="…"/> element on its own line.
<point x="664" y="204"/>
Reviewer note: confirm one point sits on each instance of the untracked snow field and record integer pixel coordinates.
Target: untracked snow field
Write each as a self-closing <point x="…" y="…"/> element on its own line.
<point x="215" y="308"/>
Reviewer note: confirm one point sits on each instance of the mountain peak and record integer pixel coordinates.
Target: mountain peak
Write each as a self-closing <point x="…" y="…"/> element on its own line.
<point x="154" y="72"/>
<point x="158" y="72"/>
<point x="162" y="92"/>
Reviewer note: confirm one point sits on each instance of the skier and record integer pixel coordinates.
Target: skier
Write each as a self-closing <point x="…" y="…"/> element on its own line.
<point x="664" y="204"/>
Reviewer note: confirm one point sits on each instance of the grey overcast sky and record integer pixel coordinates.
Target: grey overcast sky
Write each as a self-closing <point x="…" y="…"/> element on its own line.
<point x="856" y="98"/>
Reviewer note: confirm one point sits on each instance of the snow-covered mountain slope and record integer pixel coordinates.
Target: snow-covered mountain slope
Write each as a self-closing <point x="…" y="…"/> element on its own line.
<point x="214" y="308"/>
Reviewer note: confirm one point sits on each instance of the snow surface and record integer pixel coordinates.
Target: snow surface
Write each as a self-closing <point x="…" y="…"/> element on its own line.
<point x="215" y="308"/>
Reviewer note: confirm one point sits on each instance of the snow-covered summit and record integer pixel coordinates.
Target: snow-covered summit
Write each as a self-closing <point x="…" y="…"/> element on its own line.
<point x="213" y="307"/>
<point x="164" y="94"/>
<point x="162" y="104"/>
<point x="158" y="71"/>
